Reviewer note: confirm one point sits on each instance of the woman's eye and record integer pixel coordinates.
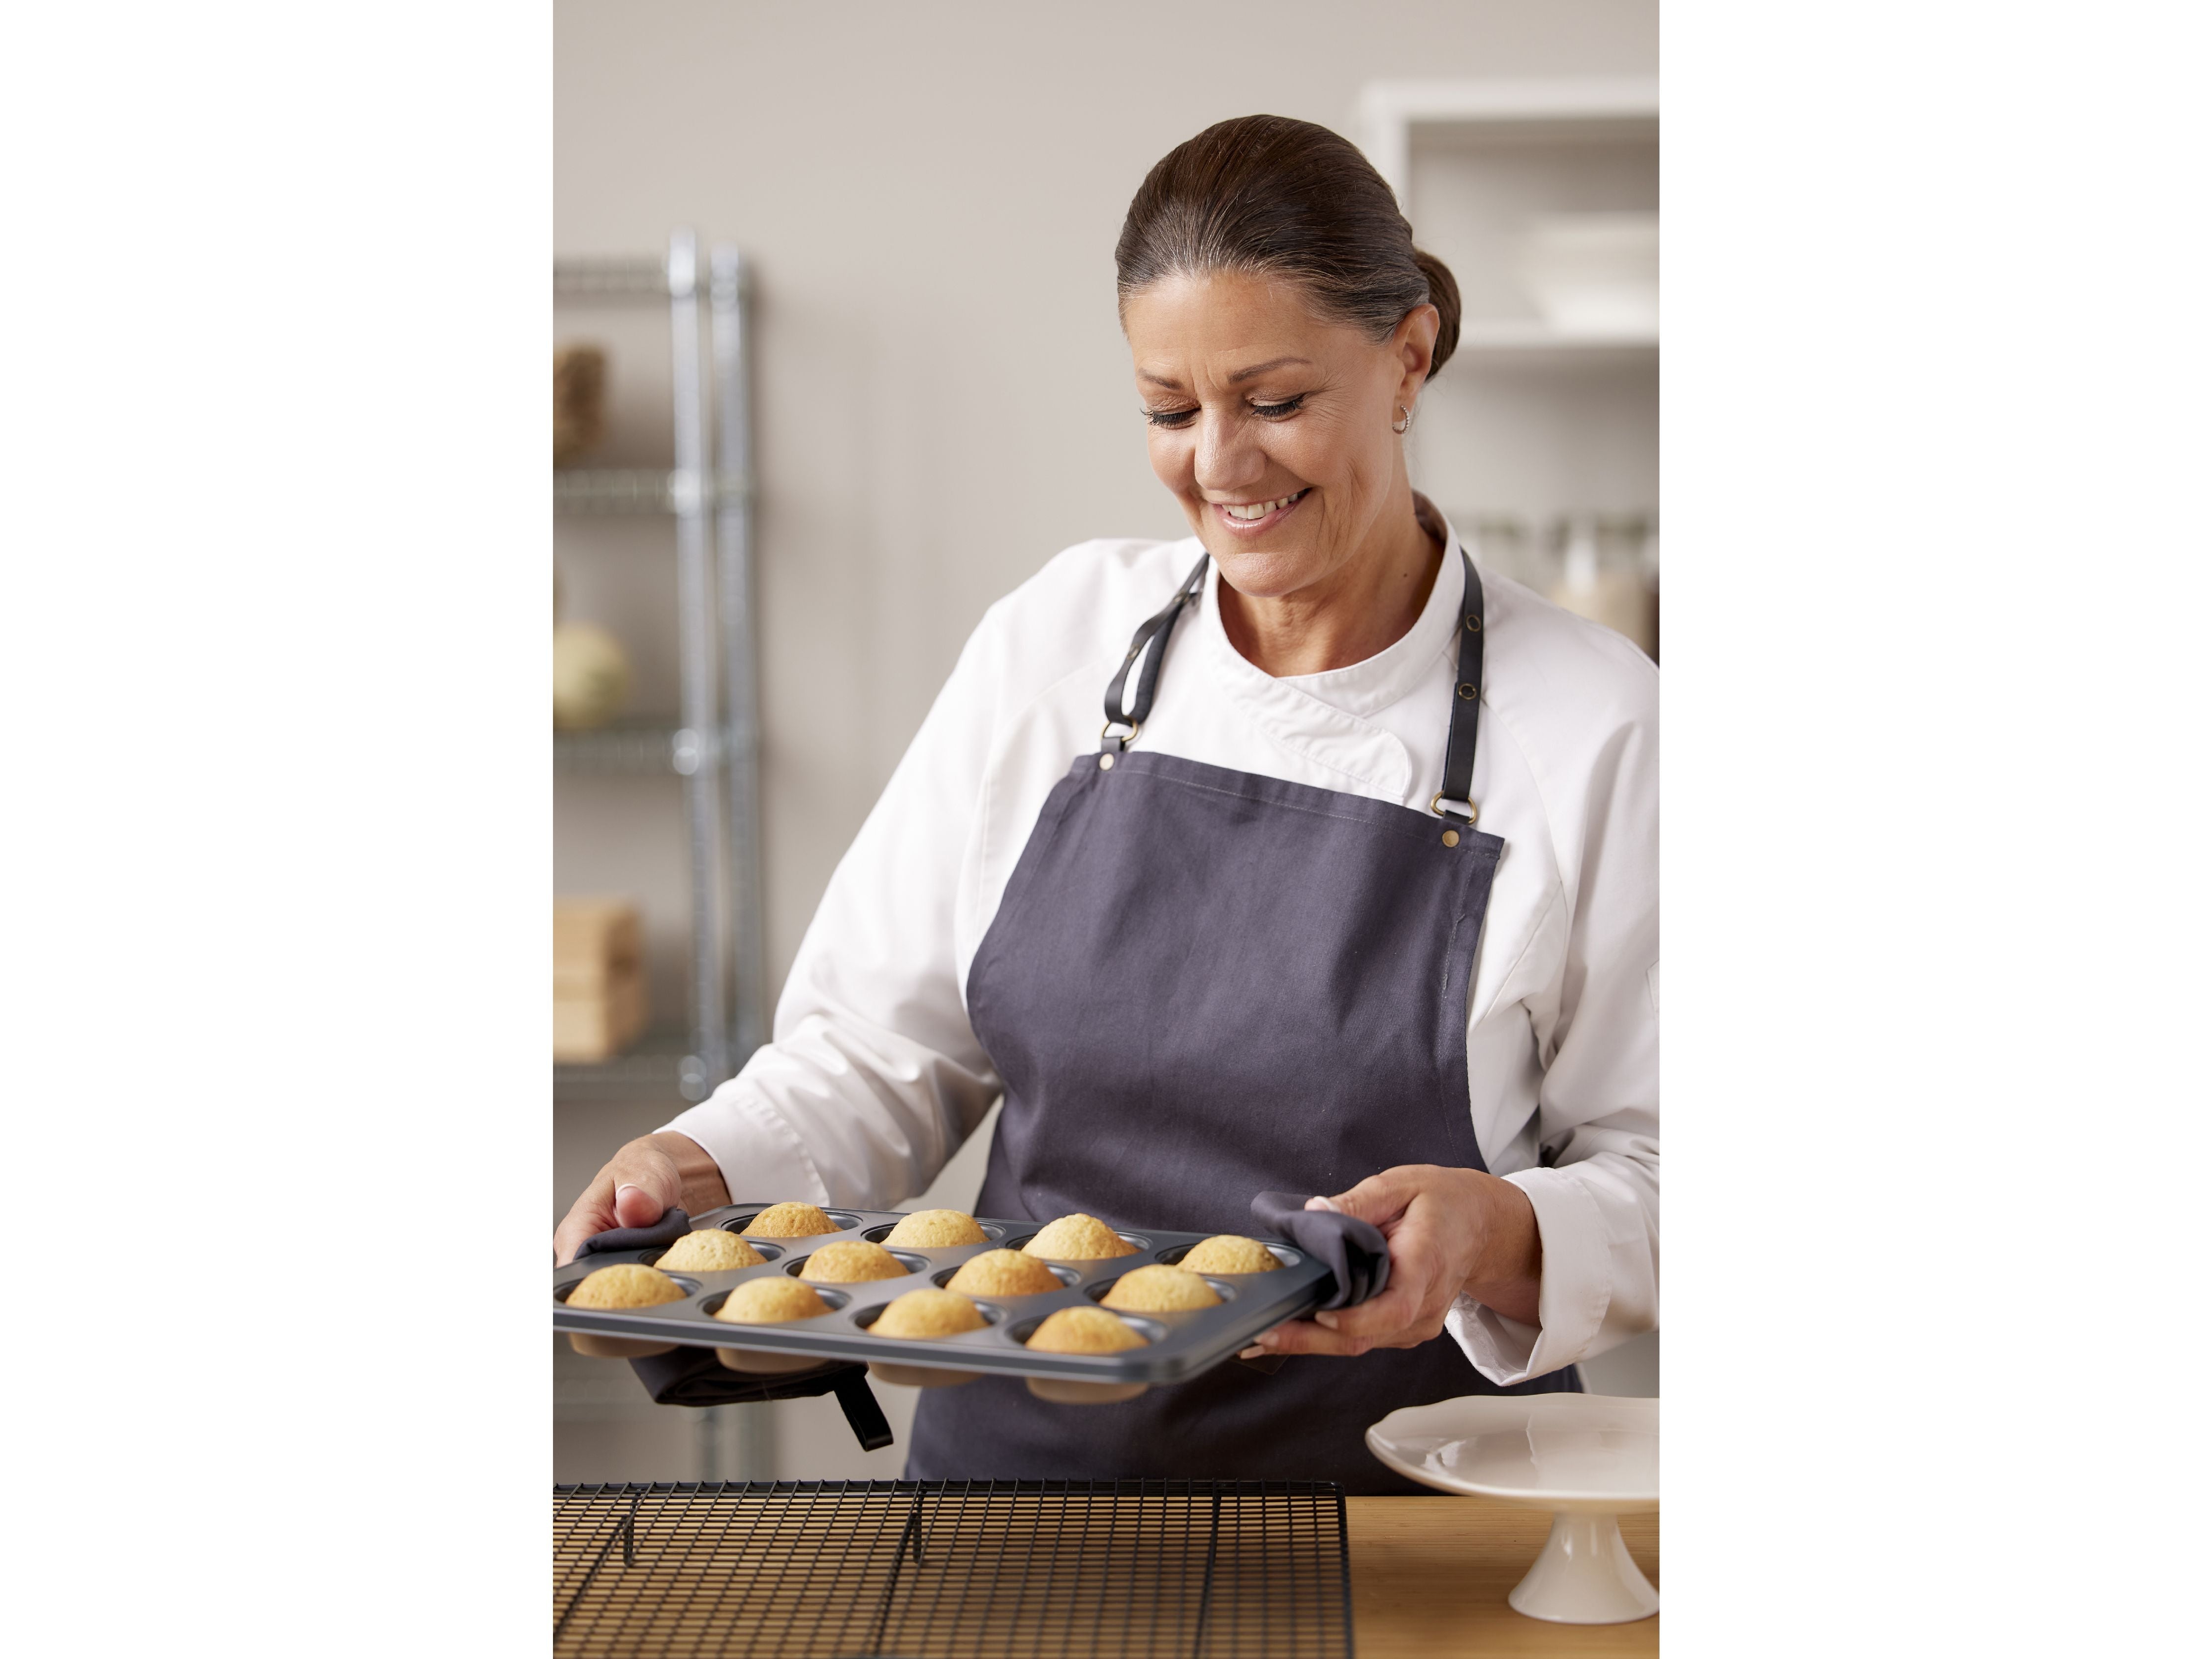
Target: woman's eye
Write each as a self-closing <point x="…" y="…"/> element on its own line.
<point x="1173" y="418"/>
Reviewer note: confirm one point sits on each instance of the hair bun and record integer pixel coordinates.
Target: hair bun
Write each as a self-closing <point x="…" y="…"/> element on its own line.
<point x="1443" y="294"/>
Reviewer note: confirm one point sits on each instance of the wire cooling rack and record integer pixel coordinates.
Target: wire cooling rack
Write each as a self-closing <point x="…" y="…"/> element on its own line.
<point x="967" y="1569"/>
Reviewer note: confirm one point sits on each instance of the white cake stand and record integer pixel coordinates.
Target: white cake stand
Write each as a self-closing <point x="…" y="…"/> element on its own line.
<point x="1586" y="1458"/>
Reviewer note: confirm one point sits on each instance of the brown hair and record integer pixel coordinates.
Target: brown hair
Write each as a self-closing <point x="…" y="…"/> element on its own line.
<point x="1264" y="194"/>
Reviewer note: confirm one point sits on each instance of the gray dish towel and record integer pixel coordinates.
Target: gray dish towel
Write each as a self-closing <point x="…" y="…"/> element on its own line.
<point x="672" y="1225"/>
<point x="1353" y="1250"/>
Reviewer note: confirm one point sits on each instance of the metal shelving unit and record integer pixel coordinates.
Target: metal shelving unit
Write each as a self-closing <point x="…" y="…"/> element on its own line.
<point x="1541" y="441"/>
<point x="617" y="489"/>
<point x="634" y="747"/>
<point x="713" y="746"/>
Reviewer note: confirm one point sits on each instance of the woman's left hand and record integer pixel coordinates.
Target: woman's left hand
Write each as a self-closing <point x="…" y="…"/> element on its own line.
<point x="1452" y="1232"/>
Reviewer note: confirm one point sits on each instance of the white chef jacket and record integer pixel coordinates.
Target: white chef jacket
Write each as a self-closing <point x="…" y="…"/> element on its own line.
<point x="874" y="1077"/>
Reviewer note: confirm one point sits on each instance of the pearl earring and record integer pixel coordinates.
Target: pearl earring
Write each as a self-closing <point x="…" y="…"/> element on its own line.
<point x="1405" y="419"/>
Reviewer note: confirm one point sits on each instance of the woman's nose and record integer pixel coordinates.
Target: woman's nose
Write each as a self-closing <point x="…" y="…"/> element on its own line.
<point x="1227" y="459"/>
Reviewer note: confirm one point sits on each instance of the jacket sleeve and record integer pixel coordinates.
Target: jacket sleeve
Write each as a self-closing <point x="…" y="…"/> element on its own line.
<point x="873" y="1077"/>
<point x="1596" y="1190"/>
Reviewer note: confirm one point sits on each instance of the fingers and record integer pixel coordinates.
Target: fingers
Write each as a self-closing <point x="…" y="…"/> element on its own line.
<point x="646" y="1182"/>
<point x="1383" y="1197"/>
<point x="635" y="1207"/>
<point x="1399" y="1307"/>
<point x="1411" y="1309"/>
<point x="593" y="1212"/>
<point x="1304" y="1337"/>
<point x="638" y="1183"/>
<point x="1400" y="1317"/>
<point x="1431" y="1248"/>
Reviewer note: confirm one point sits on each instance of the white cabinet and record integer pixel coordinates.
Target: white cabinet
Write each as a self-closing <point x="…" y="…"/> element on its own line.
<point x="1541" y="436"/>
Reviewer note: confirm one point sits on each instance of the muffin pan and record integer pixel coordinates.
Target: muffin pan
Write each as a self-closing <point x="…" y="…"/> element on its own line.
<point x="1182" y="1344"/>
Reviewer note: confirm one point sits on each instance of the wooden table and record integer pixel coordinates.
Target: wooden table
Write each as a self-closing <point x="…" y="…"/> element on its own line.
<point x="1430" y="1576"/>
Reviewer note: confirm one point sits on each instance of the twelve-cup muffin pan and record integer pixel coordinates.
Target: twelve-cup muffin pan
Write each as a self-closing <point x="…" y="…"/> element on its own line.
<point x="1179" y="1344"/>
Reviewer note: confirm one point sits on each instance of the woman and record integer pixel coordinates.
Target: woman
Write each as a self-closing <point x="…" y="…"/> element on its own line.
<point x="1253" y="938"/>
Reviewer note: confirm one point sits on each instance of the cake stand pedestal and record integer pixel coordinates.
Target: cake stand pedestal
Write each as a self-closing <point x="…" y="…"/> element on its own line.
<point x="1586" y="1458"/>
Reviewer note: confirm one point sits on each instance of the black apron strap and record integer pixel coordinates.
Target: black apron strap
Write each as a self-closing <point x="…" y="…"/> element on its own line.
<point x="1453" y="801"/>
<point x="1154" y="633"/>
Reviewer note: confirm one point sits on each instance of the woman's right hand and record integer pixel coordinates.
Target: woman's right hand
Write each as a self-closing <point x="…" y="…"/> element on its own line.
<point x="645" y="1178"/>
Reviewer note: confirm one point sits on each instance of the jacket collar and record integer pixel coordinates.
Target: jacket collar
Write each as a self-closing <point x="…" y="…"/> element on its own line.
<point x="1327" y="719"/>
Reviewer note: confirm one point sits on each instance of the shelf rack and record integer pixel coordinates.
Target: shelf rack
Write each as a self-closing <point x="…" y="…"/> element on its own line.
<point x="1511" y="339"/>
<point x="616" y="489"/>
<point x="1538" y="425"/>
<point x="1392" y="111"/>
<point x="713" y="747"/>
<point x="1395" y="115"/>
<point x="651" y="1067"/>
<point x="628" y="748"/>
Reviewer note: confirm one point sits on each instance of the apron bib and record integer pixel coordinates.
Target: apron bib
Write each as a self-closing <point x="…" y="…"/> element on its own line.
<point x="1201" y="985"/>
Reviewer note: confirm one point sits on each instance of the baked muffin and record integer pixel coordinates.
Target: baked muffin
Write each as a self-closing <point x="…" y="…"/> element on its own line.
<point x="628" y="1285"/>
<point x="790" y="1220"/>
<point x="1159" y="1289"/>
<point x="927" y="1313"/>
<point x="709" y="1250"/>
<point x="936" y="1230"/>
<point x="1084" y="1330"/>
<point x="625" y="1285"/>
<point x="1230" y="1252"/>
<point x="1078" y="1238"/>
<point x="1003" y="1273"/>
<point x="851" y="1261"/>
<point x="772" y="1299"/>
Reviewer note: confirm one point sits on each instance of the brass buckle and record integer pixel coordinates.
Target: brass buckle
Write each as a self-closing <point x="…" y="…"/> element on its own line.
<point x="1437" y="805"/>
<point x="1123" y="738"/>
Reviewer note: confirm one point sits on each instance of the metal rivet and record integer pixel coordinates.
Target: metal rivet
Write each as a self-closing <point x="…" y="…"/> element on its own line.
<point x="1451" y="837"/>
<point x="1474" y="625"/>
<point x="1465" y="693"/>
<point x="1105" y="763"/>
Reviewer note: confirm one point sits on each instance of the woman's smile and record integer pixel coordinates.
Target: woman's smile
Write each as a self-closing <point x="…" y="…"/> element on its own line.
<point x="1250" y="518"/>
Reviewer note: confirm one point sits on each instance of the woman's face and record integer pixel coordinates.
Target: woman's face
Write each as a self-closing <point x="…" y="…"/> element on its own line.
<point x="1271" y="426"/>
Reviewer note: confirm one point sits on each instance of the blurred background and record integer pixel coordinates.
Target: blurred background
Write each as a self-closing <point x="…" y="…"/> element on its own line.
<point x="836" y="365"/>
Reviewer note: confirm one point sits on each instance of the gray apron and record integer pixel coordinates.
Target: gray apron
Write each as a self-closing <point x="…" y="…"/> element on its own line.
<point x="1202" y="985"/>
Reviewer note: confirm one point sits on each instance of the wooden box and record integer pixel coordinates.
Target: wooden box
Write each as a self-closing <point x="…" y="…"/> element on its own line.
<point x="599" y="1004"/>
